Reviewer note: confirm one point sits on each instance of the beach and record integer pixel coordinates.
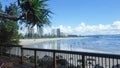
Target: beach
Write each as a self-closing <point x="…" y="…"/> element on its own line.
<point x="33" y="41"/>
<point x="75" y="59"/>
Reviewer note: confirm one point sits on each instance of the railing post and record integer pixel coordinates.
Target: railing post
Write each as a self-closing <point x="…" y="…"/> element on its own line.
<point x="54" y="60"/>
<point x="83" y="61"/>
<point x="9" y="52"/>
<point x="1" y="50"/>
<point x="22" y="57"/>
<point x="35" y="55"/>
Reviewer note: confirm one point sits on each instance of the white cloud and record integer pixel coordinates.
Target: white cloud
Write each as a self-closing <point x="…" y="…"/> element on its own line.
<point x="116" y="24"/>
<point x="84" y="29"/>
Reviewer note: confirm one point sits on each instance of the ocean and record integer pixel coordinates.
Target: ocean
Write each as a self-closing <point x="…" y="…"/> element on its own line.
<point x="96" y="43"/>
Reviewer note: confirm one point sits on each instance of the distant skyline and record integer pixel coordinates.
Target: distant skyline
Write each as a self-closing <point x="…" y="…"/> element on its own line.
<point x="84" y="16"/>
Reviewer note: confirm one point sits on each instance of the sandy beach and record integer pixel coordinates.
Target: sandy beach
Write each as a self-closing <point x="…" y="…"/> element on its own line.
<point x="33" y="41"/>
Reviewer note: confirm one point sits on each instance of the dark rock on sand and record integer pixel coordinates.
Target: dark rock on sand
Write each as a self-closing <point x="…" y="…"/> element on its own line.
<point x="59" y="57"/>
<point x="32" y="59"/>
<point x="116" y="66"/>
<point x="46" y="62"/>
<point x="98" y="66"/>
<point x="62" y="61"/>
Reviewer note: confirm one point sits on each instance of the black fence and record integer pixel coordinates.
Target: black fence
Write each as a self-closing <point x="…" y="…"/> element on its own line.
<point x="45" y="58"/>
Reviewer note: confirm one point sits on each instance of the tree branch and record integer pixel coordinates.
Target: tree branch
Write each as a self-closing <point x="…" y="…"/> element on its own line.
<point x="18" y="2"/>
<point x="6" y="16"/>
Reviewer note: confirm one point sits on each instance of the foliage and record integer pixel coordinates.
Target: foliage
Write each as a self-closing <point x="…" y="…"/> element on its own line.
<point x="9" y="32"/>
<point x="9" y="29"/>
<point x="12" y="9"/>
<point x="35" y="11"/>
<point x="31" y="12"/>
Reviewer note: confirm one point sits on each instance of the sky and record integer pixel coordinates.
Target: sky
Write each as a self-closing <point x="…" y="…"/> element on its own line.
<point x="83" y="17"/>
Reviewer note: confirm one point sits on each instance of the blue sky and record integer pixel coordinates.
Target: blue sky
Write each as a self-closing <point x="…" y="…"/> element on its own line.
<point x="73" y="12"/>
<point x="84" y="16"/>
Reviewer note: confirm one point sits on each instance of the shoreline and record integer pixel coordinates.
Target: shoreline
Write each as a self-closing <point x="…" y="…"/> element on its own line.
<point x="33" y="41"/>
<point x="30" y="42"/>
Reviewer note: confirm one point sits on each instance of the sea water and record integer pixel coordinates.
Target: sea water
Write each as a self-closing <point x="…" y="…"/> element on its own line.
<point x="96" y="43"/>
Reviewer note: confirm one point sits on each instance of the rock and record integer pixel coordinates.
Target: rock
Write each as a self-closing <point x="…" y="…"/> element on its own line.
<point x="32" y="59"/>
<point x="79" y="66"/>
<point x="71" y="58"/>
<point x="62" y="61"/>
<point x="90" y="63"/>
<point x="98" y="66"/>
<point x="72" y="66"/>
<point x="90" y="59"/>
<point x="59" y="57"/>
<point x="46" y="62"/>
<point x="116" y="66"/>
<point x="27" y="56"/>
<point x="61" y="66"/>
<point x="79" y="60"/>
<point x="47" y="59"/>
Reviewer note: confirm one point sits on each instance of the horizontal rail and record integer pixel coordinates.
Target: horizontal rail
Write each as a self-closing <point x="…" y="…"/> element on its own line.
<point x="48" y="57"/>
<point x="77" y="53"/>
<point x="11" y="45"/>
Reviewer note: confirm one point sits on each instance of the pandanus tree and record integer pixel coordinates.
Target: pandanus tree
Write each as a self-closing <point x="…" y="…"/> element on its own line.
<point x="31" y="12"/>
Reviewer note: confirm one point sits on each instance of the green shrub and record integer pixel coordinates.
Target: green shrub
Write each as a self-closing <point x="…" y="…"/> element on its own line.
<point x="9" y="32"/>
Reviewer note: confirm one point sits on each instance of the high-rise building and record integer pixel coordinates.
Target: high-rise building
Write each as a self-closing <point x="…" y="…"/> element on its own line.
<point x="56" y="32"/>
<point x="30" y="32"/>
<point x="53" y="32"/>
<point x="40" y="31"/>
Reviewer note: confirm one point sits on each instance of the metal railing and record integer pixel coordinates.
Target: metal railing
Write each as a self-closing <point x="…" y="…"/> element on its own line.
<point x="10" y="50"/>
<point x="46" y="58"/>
